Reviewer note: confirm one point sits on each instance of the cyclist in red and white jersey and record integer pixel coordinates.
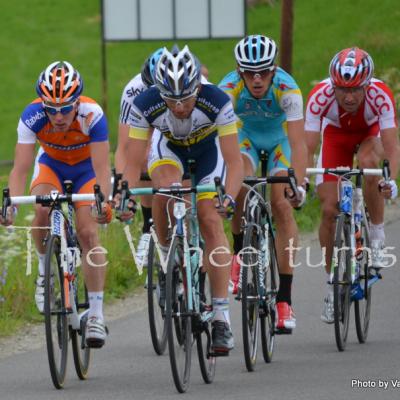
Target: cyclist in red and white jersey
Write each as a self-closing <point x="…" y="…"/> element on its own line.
<point x="352" y="113"/>
<point x="73" y="134"/>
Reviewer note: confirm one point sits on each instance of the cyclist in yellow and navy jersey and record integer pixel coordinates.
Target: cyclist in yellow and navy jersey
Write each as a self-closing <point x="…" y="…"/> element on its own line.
<point x="72" y="132"/>
<point x="192" y="121"/>
<point x="269" y="106"/>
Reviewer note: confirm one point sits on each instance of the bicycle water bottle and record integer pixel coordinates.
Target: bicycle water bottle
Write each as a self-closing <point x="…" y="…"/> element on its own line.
<point x="346" y="197"/>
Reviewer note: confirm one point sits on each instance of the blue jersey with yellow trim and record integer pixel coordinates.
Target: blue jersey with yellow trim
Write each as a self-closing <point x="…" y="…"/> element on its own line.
<point x="265" y="118"/>
<point x="212" y="114"/>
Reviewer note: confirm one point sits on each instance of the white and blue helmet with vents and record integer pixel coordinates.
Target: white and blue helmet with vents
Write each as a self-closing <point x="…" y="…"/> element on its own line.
<point x="256" y="53"/>
<point x="177" y="73"/>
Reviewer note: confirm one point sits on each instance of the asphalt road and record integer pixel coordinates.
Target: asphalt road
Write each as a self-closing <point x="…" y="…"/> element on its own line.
<point x="306" y="365"/>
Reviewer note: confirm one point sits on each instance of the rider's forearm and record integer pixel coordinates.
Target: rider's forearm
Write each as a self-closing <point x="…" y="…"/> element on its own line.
<point x="17" y="182"/>
<point x="103" y="178"/>
<point x="234" y="177"/>
<point x="299" y="160"/>
<point x="392" y="155"/>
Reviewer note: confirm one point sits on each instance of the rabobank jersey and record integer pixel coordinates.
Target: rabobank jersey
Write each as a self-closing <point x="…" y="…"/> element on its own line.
<point x="265" y="118"/>
<point x="212" y="114"/>
<point x="71" y="147"/>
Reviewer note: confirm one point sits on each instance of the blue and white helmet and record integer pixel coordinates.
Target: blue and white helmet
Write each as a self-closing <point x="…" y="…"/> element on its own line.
<point x="255" y="53"/>
<point x="177" y="72"/>
<point x="149" y="67"/>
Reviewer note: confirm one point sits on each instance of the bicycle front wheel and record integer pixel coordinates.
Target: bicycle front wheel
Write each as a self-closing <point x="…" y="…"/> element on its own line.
<point x="342" y="282"/>
<point x="55" y="313"/>
<point x="80" y="351"/>
<point x="178" y="321"/>
<point x="362" y="302"/>
<point x="268" y="314"/>
<point x="203" y="335"/>
<point x="250" y="295"/>
<point x="156" y="300"/>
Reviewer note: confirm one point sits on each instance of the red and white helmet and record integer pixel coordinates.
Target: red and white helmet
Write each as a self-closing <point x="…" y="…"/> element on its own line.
<point x="59" y="83"/>
<point x="351" y="67"/>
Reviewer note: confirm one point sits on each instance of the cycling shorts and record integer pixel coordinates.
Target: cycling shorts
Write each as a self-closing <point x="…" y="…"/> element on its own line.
<point x="207" y="154"/>
<point x="338" y="148"/>
<point x="53" y="172"/>
<point x="278" y="151"/>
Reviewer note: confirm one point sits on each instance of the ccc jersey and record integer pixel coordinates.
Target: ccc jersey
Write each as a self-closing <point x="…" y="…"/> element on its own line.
<point x="212" y="115"/>
<point x="70" y="147"/>
<point x="265" y="118"/>
<point x="323" y="109"/>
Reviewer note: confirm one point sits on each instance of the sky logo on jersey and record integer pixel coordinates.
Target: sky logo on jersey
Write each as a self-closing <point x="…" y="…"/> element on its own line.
<point x="134" y="92"/>
<point x="32" y="120"/>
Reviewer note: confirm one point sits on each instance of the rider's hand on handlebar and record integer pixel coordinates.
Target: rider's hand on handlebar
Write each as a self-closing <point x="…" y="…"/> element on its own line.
<point x="106" y="215"/>
<point x="130" y="210"/>
<point x="388" y="188"/>
<point x="227" y="208"/>
<point x="10" y="216"/>
<point x="296" y="199"/>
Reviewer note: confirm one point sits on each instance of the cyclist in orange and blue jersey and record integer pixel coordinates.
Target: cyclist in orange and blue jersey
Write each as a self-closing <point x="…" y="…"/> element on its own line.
<point x="269" y="106"/>
<point x="72" y="132"/>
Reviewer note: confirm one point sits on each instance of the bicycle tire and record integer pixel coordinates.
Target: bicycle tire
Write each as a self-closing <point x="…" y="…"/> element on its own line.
<point x="362" y="307"/>
<point x="156" y="311"/>
<point x="250" y="296"/>
<point x="342" y="282"/>
<point x="179" y="326"/>
<point x="207" y="362"/>
<point x="268" y="316"/>
<point x="55" y="313"/>
<point x="80" y="351"/>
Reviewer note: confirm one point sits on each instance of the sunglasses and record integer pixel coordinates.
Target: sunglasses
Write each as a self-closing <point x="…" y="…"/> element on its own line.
<point x="256" y="74"/>
<point x="181" y="100"/>
<point x="64" y="110"/>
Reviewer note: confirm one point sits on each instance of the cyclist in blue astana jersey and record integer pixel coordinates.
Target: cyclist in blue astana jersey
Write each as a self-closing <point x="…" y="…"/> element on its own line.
<point x="269" y="105"/>
<point x="192" y="121"/>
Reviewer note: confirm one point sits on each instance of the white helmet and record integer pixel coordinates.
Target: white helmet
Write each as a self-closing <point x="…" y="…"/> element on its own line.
<point x="177" y="73"/>
<point x="255" y="53"/>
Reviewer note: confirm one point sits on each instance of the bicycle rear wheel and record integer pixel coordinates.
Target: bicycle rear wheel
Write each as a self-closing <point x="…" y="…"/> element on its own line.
<point x="268" y="314"/>
<point x="342" y="282"/>
<point x="55" y="313"/>
<point x="156" y="300"/>
<point x="203" y="334"/>
<point x="178" y="322"/>
<point x="362" y="305"/>
<point x="80" y="351"/>
<point x="250" y="296"/>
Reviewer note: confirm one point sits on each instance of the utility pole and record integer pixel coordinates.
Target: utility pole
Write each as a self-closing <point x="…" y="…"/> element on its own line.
<point x="286" y="35"/>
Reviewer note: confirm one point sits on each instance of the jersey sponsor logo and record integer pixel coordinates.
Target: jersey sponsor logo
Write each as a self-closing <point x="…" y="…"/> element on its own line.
<point x="154" y="109"/>
<point x="201" y="101"/>
<point x="32" y="120"/>
<point x="64" y="148"/>
<point x="132" y="92"/>
<point x="378" y="100"/>
<point x="321" y="99"/>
